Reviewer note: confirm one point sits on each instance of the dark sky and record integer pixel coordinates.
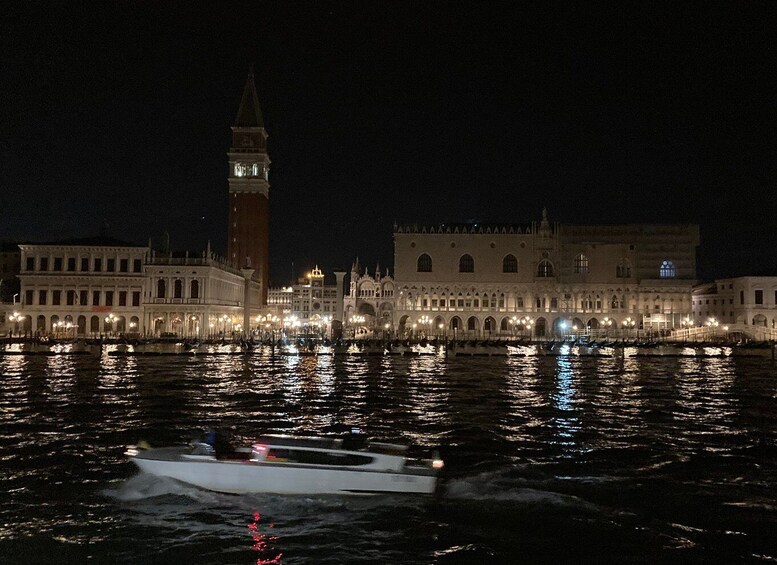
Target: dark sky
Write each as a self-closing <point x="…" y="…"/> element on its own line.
<point x="115" y="116"/>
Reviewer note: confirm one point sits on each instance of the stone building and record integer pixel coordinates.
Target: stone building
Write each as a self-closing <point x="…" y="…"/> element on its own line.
<point x="101" y="286"/>
<point x="543" y="278"/>
<point x="198" y="295"/>
<point x="740" y="300"/>
<point x="248" y="233"/>
<point x="369" y="304"/>
<point x="81" y="287"/>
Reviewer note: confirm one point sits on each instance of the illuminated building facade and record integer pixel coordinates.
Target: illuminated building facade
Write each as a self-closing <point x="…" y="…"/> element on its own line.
<point x="741" y="300"/>
<point x="102" y="287"/>
<point x="248" y="234"/>
<point x="544" y="279"/>
<point x="369" y="304"/>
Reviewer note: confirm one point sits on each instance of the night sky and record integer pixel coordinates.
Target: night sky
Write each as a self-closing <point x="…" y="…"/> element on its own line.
<point x="115" y="116"/>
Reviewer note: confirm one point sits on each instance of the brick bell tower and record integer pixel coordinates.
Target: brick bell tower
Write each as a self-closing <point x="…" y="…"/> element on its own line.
<point x="249" y="190"/>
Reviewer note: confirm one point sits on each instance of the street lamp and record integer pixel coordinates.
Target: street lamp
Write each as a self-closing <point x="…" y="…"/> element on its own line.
<point x="111" y="319"/>
<point x="712" y="324"/>
<point x="16" y="318"/>
<point x="628" y="324"/>
<point x="425" y="321"/>
<point x="526" y="324"/>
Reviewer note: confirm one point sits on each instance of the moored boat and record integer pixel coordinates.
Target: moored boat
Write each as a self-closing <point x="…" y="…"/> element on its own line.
<point x="294" y="465"/>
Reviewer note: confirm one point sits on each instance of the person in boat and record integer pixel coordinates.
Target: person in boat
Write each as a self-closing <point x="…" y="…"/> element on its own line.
<point x="219" y="443"/>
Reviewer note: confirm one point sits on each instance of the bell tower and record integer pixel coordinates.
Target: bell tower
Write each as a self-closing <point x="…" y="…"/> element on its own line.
<point x="249" y="190"/>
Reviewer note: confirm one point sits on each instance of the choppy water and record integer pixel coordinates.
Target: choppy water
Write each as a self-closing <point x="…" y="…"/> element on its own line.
<point x="550" y="460"/>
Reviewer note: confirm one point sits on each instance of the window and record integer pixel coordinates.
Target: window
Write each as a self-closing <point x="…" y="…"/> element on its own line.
<point x="741" y="296"/>
<point x="667" y="270"/>
<point x="759" y="296"/>
<point x="124" y="265"/>
<point x="519" y="302"/>
<point x="623" y="270"/>
<point x="83" y="297"/>
<point x="95" y="298"/>
<point x="71" y="263"/>
<point x="57" y="263"/>
<point x="136" y="298"/>
<point x="70" y="298"/>
<point x="424" y="264"/>
<point x="122" y="298"/>
<point x="194" y="290"/>
<point x="42" y="297"/>
<point x="30" y="263"/>
<point x="178" y="289"/>
<point x="44" y="263"/>
<point x="544" y="269"/>
<point x="109" y="298"/>
<point x="111" y="265"/>
<point x="501" y="300"/>
<point x="98" y="265"/>
<point x="581" y="264"/>
<point x="161" y="289"/>
<point x="466" y="264"/>
<point x="28" y="294"/>
<point x="56" y="296"/>
<point x="554" y="303"/>
<point x="509" y="264"/>
<point x="136" y="265"/>
<point x="84" y="264"/>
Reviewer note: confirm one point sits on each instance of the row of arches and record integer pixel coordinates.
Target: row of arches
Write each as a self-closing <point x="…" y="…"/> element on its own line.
<point x="506" y="326"/>
<point x="80" y="325"/>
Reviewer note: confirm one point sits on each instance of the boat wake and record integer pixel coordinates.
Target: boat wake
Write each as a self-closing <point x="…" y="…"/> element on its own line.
<point x="493" y="486"/>
<point x="144" y="486"/>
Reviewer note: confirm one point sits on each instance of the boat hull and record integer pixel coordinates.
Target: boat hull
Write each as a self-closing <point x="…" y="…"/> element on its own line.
<point x="243" y="477"/>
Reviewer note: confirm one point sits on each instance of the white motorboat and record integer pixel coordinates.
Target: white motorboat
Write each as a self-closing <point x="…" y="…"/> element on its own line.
<point x="294" y="465"/>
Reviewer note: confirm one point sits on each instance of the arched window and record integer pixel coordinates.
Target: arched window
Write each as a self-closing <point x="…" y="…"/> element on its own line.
<point x="623" y="270"/>
<point x="667" y="270"/>
<point x="161" y="288"/>
<point x="466" y="264"/>
<point x="509" y="264"/>
<point x="178" y="289"/>
<point x="194" y="290"/>
<point x="581" y="264"/>
<point x="424" y="264"/>
<point x="544" y="268"/>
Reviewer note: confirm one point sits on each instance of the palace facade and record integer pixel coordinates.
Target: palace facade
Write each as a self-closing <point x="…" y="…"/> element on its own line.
<point x="544" y="278"/>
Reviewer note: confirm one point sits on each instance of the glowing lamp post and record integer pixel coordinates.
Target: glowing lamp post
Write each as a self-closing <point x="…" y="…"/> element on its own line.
<point x="629" y="324"/>
<point x="425" y="322"/>
<point x="16" y="318"/>
<point x="110" y="319"/>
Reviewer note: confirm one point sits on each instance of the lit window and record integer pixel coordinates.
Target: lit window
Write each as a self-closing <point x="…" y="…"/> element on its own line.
<point x="581" y="264"/>
<point x="667" y="270"/>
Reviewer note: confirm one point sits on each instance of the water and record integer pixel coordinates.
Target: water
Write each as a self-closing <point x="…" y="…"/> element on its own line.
<point x="549" y="459"/>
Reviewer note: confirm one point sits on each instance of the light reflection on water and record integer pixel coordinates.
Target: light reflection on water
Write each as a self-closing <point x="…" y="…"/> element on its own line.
<point x="608" y="454"/>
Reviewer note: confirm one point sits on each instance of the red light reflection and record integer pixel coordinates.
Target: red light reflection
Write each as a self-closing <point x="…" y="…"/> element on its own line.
<point x="262" y="542"/>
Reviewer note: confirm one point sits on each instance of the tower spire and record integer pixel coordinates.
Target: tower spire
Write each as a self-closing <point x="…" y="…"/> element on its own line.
<point x="249" y="115"/>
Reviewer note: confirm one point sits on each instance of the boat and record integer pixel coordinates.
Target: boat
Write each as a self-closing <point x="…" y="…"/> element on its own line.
<point x="280" y="464"/>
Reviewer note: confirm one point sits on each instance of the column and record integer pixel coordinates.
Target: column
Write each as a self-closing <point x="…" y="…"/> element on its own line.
<point x="247" y="300"/>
